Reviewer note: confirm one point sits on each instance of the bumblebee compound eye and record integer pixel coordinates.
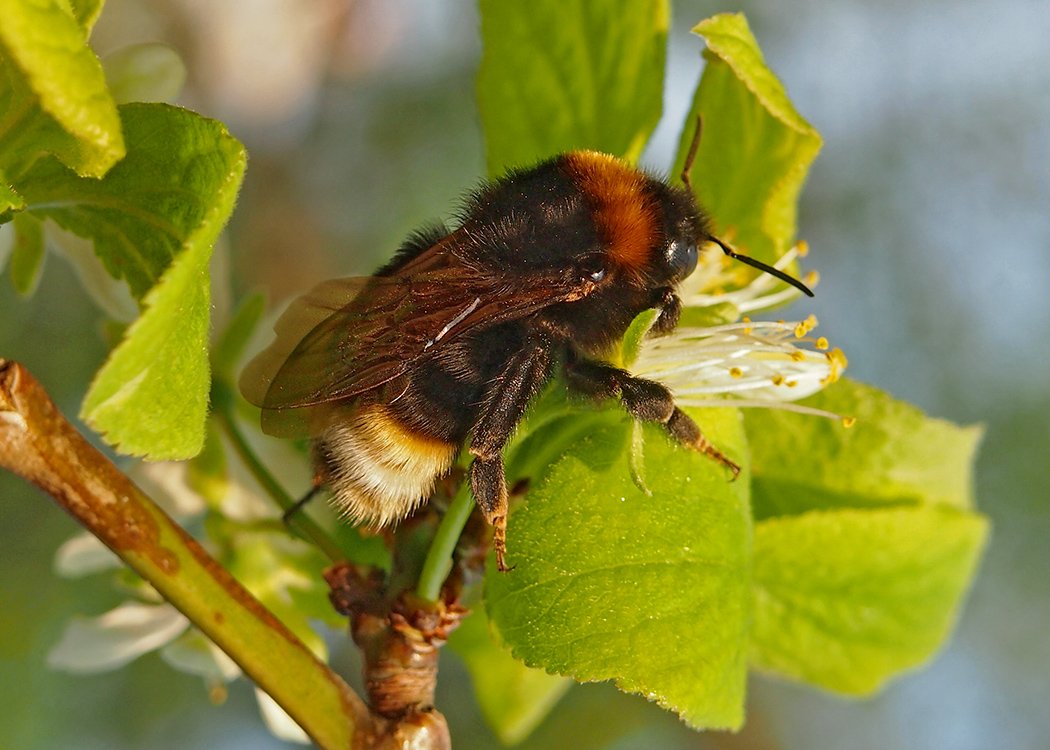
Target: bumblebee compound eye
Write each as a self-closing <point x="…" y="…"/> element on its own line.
<point x="681" y="258"/>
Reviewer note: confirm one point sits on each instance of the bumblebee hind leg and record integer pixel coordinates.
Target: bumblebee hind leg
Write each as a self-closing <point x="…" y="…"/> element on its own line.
<point x="505" y="401"/>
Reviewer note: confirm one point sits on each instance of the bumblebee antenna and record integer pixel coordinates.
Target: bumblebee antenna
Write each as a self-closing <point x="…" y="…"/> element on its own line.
<point x="690" y="156"/>
<point x="748" y="260"/>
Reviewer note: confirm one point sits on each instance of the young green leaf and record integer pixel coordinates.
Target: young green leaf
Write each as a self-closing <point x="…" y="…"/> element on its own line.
<point x="650" y="591"/>
<point x="230" y="345"/>
<point x="208" y="473"/>
<point x="145" y="211"/>
<point x="893" y="454"/>
<point x="558" y="75"/>
<point x="10" y="202"/>
<point x="151" y="396"/>
<point x="86" y="12"/>
<point x="27" y="255"/>
<point x="53" y="93"/>
<point x="846" y="599"/>
<point x="513" y="698"/>
<point x="755" y="150"/>
<point x="150" y="72"/>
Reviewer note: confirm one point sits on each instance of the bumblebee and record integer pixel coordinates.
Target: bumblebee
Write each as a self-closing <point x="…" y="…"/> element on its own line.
<point x="446" y="345"/>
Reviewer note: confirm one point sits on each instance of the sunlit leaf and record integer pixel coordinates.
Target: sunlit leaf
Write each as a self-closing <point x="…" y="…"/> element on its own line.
<point x="53" y="93"/>
<point x="755" y="148"/>
<point x="558" y="75"/>
<point x="846" y="599"/>
<point x="650" y="591"/>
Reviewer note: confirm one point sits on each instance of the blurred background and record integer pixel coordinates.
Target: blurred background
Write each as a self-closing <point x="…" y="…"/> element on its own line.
<point x="928" y="214"/>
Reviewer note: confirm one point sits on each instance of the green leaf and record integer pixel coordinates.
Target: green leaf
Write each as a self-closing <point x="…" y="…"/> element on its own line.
<point x="148" y="208"/>
<point x="53" y="93"/>
<point x="86" y="12"/>
<point x="847" y="599"/>
<point x="893" y="454"/>
<point x="513" y="698"/>
<point x="207" y="473"/>
<point x="632" y="340"/>
<point x="755" y="150"/>
<point x="151" y="396"/>
<point x="650" y="591"/>
<point x="27" y="255"/>
<point x="10" y="202"/>
<point x="230" y="346"/>
<point x="145" y="73"/>
<point x="558" y="75"/>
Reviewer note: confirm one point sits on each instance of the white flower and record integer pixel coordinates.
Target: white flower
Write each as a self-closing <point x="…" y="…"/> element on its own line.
<point x="744" y="363"/>
<point x="104" y="643"/>
<point x="718" y="281"/>
<point x="747" y="363"/>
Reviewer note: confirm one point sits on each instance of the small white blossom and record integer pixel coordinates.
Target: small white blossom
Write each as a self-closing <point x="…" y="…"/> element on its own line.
<point x="84" y="554"/>
<point x="749" y="363"/>
<point x="717" y="281"/>
<point x="280" y="724"/>
<point x="104" y="643"/>
<point x="744" y="363"/>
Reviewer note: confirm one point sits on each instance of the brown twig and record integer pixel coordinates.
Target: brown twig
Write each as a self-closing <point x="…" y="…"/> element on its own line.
<point x="399" y="637"/>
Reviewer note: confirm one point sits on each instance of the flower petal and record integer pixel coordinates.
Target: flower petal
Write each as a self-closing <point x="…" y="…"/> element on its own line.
<point x="193" y="652"/>
<point x="278" y="722"/>
<point x="101" y="644"/>
<point x="83" y="555"/>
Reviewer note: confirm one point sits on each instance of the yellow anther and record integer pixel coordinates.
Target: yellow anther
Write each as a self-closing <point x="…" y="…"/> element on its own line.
<point x="821" y="343"/>
<point x="736" y="372"/>
<point x="803" y="248"/>
<point x="778" y="379"/>
<point x="805" y="326"/>
<point x="848" y="422"/>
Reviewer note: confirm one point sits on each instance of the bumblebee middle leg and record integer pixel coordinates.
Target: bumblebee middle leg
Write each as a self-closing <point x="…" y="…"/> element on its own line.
<point x="505" y="401"/>
<point x="646" y="400"/>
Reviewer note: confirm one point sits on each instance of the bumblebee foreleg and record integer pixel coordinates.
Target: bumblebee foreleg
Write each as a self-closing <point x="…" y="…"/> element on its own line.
<point x="646" y="400"/>
<point x="505" y="401"/>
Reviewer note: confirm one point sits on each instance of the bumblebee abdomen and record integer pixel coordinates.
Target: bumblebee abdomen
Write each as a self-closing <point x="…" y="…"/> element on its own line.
<point x="379" y="470"/>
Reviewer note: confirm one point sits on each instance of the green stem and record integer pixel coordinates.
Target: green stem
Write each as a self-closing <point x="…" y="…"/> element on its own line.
<point x="306" y="526"/>
<point x="438" y="562"/>
<point x="37" y="443"/>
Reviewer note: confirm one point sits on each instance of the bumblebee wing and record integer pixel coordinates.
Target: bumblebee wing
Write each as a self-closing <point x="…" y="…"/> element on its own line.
<point x="350" y="336"/>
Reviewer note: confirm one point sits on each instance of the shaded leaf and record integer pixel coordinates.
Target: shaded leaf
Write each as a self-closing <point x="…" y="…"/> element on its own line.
<point x="229" y="348"/>
<point x="27" y="255"/>
<point x="558" y="75"/>
<point x="86" y="12"/>
<point x="893" y="454"/>
<point x="513" y="698"/>
<point x="10" y="202"/>
<point x="150" y="72"/>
